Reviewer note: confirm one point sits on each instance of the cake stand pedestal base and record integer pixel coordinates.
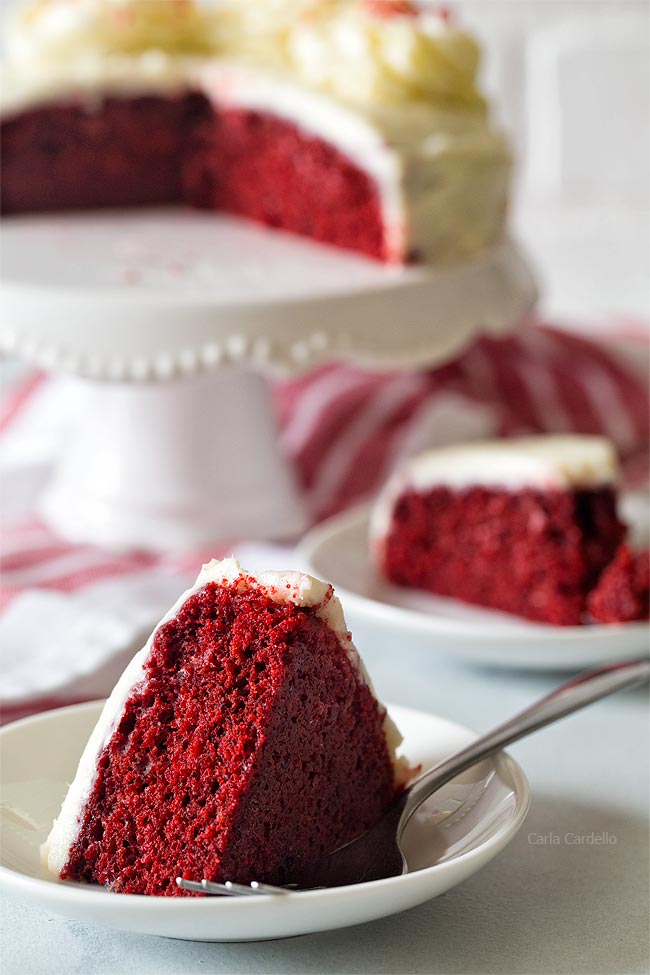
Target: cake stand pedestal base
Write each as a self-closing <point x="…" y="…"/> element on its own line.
<point x="175" y="466"/>
<point x="157" y="308"/>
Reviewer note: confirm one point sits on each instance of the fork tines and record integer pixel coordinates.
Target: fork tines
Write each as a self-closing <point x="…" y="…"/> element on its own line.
<point x="229" y="889"/>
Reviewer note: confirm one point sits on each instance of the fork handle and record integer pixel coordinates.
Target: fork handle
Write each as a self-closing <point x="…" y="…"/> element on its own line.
<point x="577" y="693"/>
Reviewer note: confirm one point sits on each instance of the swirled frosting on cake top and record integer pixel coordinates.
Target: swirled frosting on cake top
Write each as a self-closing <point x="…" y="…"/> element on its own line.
<point x="53" y="30"/>
<point x="375" y="52"/>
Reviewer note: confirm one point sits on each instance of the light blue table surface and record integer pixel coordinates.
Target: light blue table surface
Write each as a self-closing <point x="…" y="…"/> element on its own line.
<point x="542" y="906"/>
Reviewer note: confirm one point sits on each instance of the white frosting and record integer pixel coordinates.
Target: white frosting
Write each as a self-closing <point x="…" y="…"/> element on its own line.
<point x="343" y="47"/>
<point x="292" y="587"/>
<point x="562" y="462"/>
<point x="52" y="31"/>
<point x="566" y="461"/>
<point x="90" y="77"/>
<point x="365" y="57"/>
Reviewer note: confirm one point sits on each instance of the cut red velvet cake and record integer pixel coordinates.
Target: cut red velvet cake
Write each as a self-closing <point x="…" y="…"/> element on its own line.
<point x="525" y="525"/>
<point x="243" y="739"/>
<point x="355" y="123"/>
<point x="623" y="590"/>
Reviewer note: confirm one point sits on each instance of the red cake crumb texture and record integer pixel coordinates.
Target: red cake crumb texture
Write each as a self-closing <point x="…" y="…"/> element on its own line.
<point x="261" y="167"/>
<point x="623" y="590"/>
<point x="250" y="745"/>
<point x="533" y="553"/>
<point x="122" y="152"/>
<point x="159" y="150"/>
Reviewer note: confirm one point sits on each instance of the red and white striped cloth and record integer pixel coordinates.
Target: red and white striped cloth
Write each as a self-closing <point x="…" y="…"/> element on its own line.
<point x="68" y="613"/>
<point x="345" y="429"/>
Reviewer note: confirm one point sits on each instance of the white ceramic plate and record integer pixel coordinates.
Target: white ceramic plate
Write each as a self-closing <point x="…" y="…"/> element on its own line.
<point x="338" y="551"/>
<point x="485" y="807"/>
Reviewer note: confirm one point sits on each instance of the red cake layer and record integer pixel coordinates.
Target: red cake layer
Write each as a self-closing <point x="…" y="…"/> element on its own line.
<point x="252" y="744"/>
<point x="151" y="150"/>
<point x="533" y="553"/>
<point x="262" y="167"/>
<point x="117" y="153"/>
<point x="623" y="590"/>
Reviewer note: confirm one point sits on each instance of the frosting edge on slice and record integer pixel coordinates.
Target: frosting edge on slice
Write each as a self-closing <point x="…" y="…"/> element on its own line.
<point x="563" y="462"/>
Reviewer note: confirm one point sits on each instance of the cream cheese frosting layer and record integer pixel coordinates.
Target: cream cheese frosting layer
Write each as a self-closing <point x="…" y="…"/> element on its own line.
<point x="288" y="587"/>
<point x="548" y="462"/>
<point x="90" y="77"/>
<point x="56" y="30"/>
<point x="564" y="462"/>
<point x="349" y="48"/>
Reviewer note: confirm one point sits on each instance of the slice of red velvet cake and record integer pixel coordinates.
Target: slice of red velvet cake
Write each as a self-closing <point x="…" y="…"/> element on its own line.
<point x="353" y="122"/>
<point x="243" y="738"/>
<point x="525" y="525"/>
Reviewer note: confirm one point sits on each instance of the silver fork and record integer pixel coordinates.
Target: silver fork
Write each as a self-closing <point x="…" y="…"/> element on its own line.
<point x="378" y="853"/>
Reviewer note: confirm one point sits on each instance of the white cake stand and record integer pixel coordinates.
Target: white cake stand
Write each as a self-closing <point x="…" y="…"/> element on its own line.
<point x="138" y="304"/>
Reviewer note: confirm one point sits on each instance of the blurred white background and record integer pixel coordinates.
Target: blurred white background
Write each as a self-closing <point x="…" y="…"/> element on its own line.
<point x="569" y="80"/>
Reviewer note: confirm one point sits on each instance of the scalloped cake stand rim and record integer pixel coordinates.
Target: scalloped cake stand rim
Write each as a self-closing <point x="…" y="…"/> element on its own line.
<point x="259" y="298"/>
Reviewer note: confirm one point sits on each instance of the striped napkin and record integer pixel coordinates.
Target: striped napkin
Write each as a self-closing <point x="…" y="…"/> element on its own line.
<point x="71" y="614"/>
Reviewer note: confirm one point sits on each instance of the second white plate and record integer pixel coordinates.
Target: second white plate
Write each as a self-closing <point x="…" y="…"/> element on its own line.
<point x="338" y="551"/>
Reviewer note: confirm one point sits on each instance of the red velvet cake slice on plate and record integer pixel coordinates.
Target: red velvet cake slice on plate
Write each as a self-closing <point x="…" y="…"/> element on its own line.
<point x="243" y="738"/>
<point x="524" y="525"/>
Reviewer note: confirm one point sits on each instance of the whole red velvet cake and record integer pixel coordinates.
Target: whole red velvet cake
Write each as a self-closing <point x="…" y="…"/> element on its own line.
<point x="525" y="526"/>
<point x="243" y="740"/>
<point x="150" y="150"/>
<point x="354" y="123"/>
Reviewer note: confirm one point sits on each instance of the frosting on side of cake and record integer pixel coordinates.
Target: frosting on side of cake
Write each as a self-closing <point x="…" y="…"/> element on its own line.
<point x="548" y="463"/>
<point x="292" y="587"/>
<point x="235" y="85"/>
<point x="422" y="178"/>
